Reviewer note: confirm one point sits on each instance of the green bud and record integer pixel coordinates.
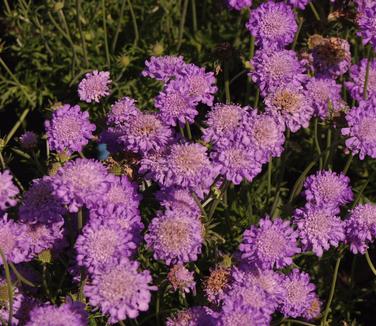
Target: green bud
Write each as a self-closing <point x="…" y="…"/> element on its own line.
<point x="58" y="6"/>
<point x="157" y="49"/>
<point x="45" y="257"/>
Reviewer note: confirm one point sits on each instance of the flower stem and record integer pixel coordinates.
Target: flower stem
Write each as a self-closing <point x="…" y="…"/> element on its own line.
<point x="194" y="16"/>
<point x="105" y="33"/>
<point x="369" y="55"/>
<point x="227" y="83"/>
<point x="315" y="13"/>
<point x="188" y="130"/>
<point x="16" y="126"/>
<point x="122" y="8"/>
<point x="9" y="287"/>
<point x="270" y="167"/>
<point x="370" y="264"/>
<point x="182" y="23"/>
<point x="348" y="163"/>
<point x="79" y="25"/>
<point x="134" y="22"/>
<point x="317" y="143"/>
<point x="298" y="322"/>
<point x="301" y="20"/>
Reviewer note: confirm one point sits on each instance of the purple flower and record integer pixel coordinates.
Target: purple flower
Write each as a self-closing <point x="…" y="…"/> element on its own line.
<point x="357" y="80"/>
<point x="8" y="191"/>
<point x="102" y="243"/>
<point x="242" y="316"/>
<point x="291" y="102"/>
<point x="325" y="94"/>
<point x="94" y="86"/>
<point x="80" y="182"/>
<point x="69" y="313"/>
<point x="120" y="290"/>
<point x="299" y="294"/>
<point x="319" y="228"/>
<point x="361" y="227"/>
<point x="69" y="129"/>
<point x="28" y="140"/>
<point x="301" y="4"/>
<point x="272" y="68"/>
<point x="163" y="68"/>
<point x="174" y="237"/>
<point x="272" y="243"/>
<point x="181" y="279"/>
<point x="175" y="104"/>
<point x="193" y="316"/>
<point x="122" y="111"/>
<point x="361" y="129"/>
<point x="273" y="24"/>
<point x="328" y="188"/>
<point x="239" y="4"/>
<point x="314" y="309"/>
<point x="217" y="284"/>
<point x="366" y="23"/>
<point x="39" y="204"/>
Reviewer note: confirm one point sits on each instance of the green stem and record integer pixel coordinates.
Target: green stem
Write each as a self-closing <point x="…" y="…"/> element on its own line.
<point x="16" y="126"/>
<point x="79" y="220"/>
<point x="315" y="13"/>
<point x="181" y="130"/>
<point x="104" y="19"/>
<point x="188" y="130"/>
<point x="332" y="289"/>
<point x="7" y="8"/>
<point x="301" y="20"/>
<point x="121" y="323"/>
<point x="270" y="167"/>
<point x="370" y="264"/>
<point x="194" y="16"/>
<point x="134" y="22"/>
<point x="369" y="54"/>
<point x="317" y="143"/>
<point x="328" y="146"/>
<point x="218" y="200"/>
<point x="227" y="83"/>
<point x="9" y="286"/>
<point x="79" y="25"/>
<point x="3" y="166"/>
<point x="257" y="97"/>
<point x="299" y="322"/>
<point x="348" y="163"/>
<point x="252" y="47"/>
<point x="182" y="23"/>
<point x="118" y="26"/>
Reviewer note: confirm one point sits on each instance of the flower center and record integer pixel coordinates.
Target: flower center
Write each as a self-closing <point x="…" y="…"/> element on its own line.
<point x="68" y="128"/>
<point x="274" y="25"/>
<point x="7" y="240"/>
<point x="296" y="292"/>
<point x="271" y="244"/>
<point x="318" y="224"/>
<point x="279" y="66"/>
<point x="102" y="244"/>
<point x="287" y="101"/>
<point x="145" y="125"/>
<point x="367" y="129"/>
<point x="227" y="118"/>
<point x="118" y="285"/>
<point x="189" y="160"/>
<point x="197" y="85"/>
<point x="265" y="132"/>
<point x="174" y="235"/>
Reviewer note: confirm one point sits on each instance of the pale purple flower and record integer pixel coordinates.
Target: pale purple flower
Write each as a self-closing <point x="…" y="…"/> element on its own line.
<point x="8" y="191"/>
<point x="122" y="112"/>
<point x="301" y="4"/>
<point x="366" y="22"/>
<point x="271" y="243"/>
<point x="193" y="316"/>
<point x="357" y="79"/>
<point x="273" y="24"/>
<point x="163" y="68"/>
<point x="69" y="129"/>
<point x="239" y="4"/>
<point x="178" y="199"/>
<point x="313" y="312"/>
<point x="361" y="129"/>
<point x="181" y="279"/>
<point x="319" y="228"/>
<point x="120" y="291"/>
<point x="175" y="237"/>
<point x="361" y="227"/>
<point x="94" y="86"/>
<point x="28" y="140"/>
<point x="242" y="316"/>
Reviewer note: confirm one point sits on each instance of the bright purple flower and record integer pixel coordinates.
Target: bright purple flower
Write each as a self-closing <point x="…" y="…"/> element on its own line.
<point x="163" y="68"/>
<point x="239" y="4"/>
<point x="39" y="204"/>
<point x="8" y="191"/>
<point x="319" y="228"/>
<point x="301" y="4"/>
<point x="271" y="243"/>
<point x="94" y="86"/>
<point x="299" y="294"/>
<point x="361" y="227"/>
<point x="69" y="129"/>
<point x="193" y="316"/>
<point x="175" y="237"/>
<point x="242" y="316"/>
<point x="291" y="102"/>
<point x="80" y="182"/>
<point x="69" y="313"/>
<point x="272" y="68"/>
<point x="175" y="104"/>
<point x="361" y="129"/>
<point x="101" y="244"/>
<point x="366" y="23"/>
<point x="122" y="112"/>
<point x="181" y="279"/>
<point x="328" y="188"/>
<point x="28" y="140"/>
<point x="121" y="291"/>
<point x="357" y="80"/>
<point x="273" y="24"/>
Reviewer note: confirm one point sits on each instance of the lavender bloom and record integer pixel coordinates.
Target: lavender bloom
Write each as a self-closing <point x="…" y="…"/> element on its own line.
<point x="69" y="129"/>
<point x="325" y="94"/>
<point x="273" y="24"/>
<point x="242" y="316"/>
<point x="366" y="23"/>
<point x="122" y="112"/>
<point x="163" y="68"/>
<point x="328" y="189"/>
<point x="239" y="4"/>
<point x="8" y="191"/>
<point x="361" y="227"/>
<point x="270" y="244"/>
<point x="270" y="69"/>
<point x="101" y="244"/>
<point x="70" y="313"/>
<point x="181" y="279"/>
<point x="291" y="102"/>
<point x="40" y="205"/>
<point x="80" y="182"/>
<point x="193" y="316"/>
<point x="174" y="237"/>
<point x="301" y="4"/>
<point x="28" y="140"/>
<point x="175" y="104"/>
<point x="319" y="228"/>
<point x="361" y="129"/>
<point x="120" y="290"/>
<point x="94" y="86"/>
<point x="217" y="284"/>
<point x="299" y="295"/>
<point x="357" y="80"/>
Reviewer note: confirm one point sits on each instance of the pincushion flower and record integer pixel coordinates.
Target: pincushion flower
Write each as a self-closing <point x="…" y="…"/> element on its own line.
<point x="366" y="22"/>
<point x="361" y="227"/>
<point x="273" y="24"/>
<point x="357" y="80"/>
<point x="69" y="129"/>
<point x="301" y="4"/>
<point x="193" y="316"/>
<point x="242" y="316"/>
<point x="28" y="140"/>
<point x="328" y="188"/>
<point x="239" y="4"/>
<point x="178" y="199"/>
<point x="80" y="182"/>
<point x="271" y="243"/>
<point x="217" y="284"/>
<point x="8" y="191"/>
<point x="94" y="86"/>
<point x="361" y="129"/>
<point x="121" y="290"/>
<point x="314" y="309"/>
<point x="122" y="111"/>
<point x="291" y="102"/>
<point x="181" y="279"/>
<point x="163" y="68"/>
<point x="319" y="228"/>
<point x="175" y="237"/>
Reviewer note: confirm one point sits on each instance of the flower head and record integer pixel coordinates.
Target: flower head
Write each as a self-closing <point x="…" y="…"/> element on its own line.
<point x="122" y="111"/>
<point x="8" y="191"/>
<point x="242" y="316"/>
<point x="178" y="199"/>
<point x="301" y="4"/>
<point x="94" y="86"/>
<point x="366" y="23"/>
<point x="181" y="279"/>
<point x="163" y="68"/>
<point x="28" y="140"/>
<point x="357" y="79"/>
<point x="69" y="129"/>
<point x="193" y="316"/>
<point x="217" y="284"/>
<point x="239" y="4"/>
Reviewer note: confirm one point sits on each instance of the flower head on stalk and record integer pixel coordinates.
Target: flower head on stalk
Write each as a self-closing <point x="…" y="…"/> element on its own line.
<point x="163" y="68"/>
<point x="239" y="4"/>
<point x="94" y="86"/>
<point x="181" y="279"/>
<point x="357" y="79"/>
